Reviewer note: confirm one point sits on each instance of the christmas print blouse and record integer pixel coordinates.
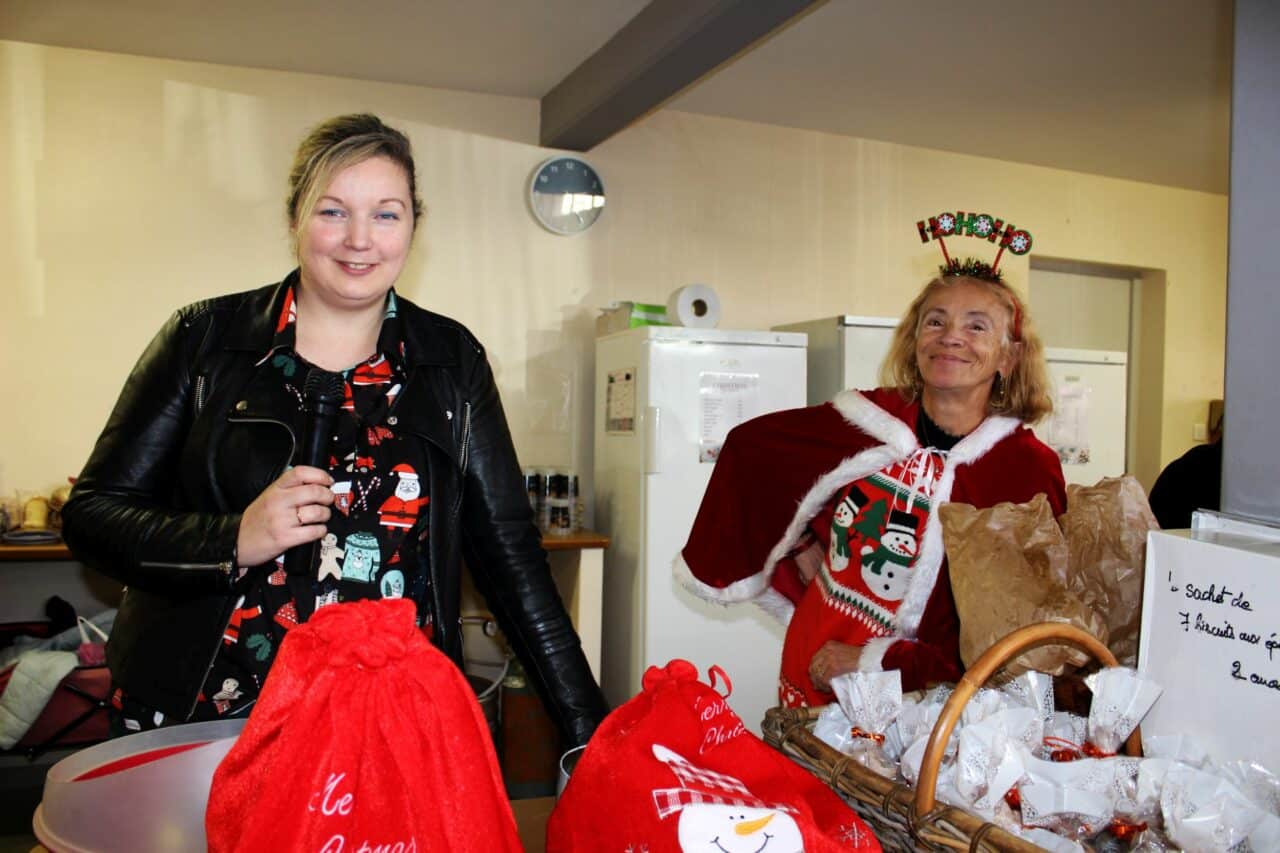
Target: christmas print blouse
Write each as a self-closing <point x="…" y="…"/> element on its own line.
<point x="369" y="548"/>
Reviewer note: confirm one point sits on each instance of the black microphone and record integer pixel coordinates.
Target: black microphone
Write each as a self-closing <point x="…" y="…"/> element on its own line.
<point x="322" y="395"/>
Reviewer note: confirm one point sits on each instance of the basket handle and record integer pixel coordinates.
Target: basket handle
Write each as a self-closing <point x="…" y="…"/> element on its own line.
<point x="1004" y="650"/>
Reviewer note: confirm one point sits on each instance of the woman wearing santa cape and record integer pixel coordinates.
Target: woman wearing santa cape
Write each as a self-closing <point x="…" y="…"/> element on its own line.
<point x="827" y="517"/>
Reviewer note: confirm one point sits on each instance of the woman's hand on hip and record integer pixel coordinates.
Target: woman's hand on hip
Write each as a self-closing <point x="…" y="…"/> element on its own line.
<point x="833" y="659"/>
<point x="291" y="511"/>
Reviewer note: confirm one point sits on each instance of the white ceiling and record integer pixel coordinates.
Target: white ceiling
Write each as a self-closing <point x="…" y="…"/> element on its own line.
<point x="1136" y="89"/>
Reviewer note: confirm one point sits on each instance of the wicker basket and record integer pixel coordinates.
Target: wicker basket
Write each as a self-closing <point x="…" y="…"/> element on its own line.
<point x="909" y="820"/>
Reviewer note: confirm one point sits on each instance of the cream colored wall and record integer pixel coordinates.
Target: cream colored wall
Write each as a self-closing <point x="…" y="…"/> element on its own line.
<point x="132" y="186"/>
<point x="1077" y="311"/>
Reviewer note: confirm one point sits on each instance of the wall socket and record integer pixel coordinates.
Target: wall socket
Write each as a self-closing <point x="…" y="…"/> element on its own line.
<point x="1199" y="432"/>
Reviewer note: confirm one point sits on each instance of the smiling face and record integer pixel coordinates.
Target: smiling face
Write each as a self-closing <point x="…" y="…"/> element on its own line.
<point x="738" y="829"/>
<point x="353" y="244"/>
<point x="962" y="342"/>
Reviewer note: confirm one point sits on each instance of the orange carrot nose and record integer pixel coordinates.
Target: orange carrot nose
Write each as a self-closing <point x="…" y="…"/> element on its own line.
<point x="753" y="825"/>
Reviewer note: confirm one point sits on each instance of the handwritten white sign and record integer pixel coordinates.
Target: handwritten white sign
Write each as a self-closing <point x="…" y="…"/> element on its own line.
<point x="1211" y="638"/>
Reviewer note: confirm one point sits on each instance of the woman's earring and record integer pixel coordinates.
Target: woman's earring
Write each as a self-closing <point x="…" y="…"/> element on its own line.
<point x="997" y="390"/>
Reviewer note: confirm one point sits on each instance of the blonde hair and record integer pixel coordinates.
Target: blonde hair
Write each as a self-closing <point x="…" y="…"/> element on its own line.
<point x="1026" y="389"/>
<point x="335" y="145"/>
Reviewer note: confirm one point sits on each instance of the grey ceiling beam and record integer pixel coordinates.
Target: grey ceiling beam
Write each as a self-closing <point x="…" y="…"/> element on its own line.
<point x="668" y="46"/>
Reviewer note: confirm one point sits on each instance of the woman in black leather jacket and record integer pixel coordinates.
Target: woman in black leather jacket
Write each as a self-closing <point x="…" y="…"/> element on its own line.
<point x="193" y="494"/>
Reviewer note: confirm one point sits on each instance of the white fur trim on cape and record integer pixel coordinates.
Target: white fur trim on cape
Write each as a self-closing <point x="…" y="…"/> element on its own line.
<point x="776" y="605"/>
<point x="744" y="590"/>
<point x="755" y="589"/>
<point x="872" y="657"/>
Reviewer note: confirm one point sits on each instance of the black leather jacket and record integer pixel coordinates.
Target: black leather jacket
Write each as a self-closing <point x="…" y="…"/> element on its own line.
<point x="158" y="505"/>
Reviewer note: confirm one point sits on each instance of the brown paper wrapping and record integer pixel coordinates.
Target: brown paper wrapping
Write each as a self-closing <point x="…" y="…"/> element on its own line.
<point x="1014" y="564"/>
<point x="1106" y="526"/>
<point x="1009" y="567"/>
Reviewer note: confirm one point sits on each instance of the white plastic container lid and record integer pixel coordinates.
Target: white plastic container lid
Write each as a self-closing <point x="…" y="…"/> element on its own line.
<point x="141" y="792"/>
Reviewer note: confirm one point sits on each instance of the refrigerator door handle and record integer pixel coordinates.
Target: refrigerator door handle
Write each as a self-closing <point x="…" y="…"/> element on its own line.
<point x="652" y="439"/>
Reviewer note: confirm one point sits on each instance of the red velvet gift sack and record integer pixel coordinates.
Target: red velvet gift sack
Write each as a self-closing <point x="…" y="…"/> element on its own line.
<point x="366" y="737"/>
<point x="674" y="769"/>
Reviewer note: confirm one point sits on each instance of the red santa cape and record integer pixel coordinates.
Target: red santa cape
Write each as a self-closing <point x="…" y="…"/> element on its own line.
<point x="777" y="472"/>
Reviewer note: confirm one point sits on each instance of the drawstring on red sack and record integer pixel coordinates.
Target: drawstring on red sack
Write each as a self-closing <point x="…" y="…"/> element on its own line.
<point x="714" y="671"/>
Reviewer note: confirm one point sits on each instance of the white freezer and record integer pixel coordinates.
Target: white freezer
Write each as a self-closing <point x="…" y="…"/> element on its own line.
<point x="673" y="394"/>
<point x="844" y="352"/>
<point x="1089" y="427"/>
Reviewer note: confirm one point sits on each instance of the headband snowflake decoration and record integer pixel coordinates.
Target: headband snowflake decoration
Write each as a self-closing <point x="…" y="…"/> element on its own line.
<point x="984" y="227"/>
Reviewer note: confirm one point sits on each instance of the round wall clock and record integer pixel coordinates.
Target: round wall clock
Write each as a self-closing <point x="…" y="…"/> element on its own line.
<point x="566" y="195"/>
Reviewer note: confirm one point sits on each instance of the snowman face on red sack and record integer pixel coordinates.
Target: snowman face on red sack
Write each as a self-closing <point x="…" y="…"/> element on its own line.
<point x="738" y="829"/>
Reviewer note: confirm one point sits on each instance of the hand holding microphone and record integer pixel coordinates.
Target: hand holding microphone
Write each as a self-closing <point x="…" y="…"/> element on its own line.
<point x="290" y="514"/>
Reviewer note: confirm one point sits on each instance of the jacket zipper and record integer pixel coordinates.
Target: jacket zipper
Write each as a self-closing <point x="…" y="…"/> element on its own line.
<point x="462" y="460"/>
<point x="224" y="566"/>
<point x="293" y="439"/>
<point x="201" y="381"/>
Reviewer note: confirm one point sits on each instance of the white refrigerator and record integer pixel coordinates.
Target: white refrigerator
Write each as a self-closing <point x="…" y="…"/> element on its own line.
<point x="665" y="397"/>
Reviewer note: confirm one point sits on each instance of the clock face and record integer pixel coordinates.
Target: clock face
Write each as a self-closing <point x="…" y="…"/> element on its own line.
<point x="566" y="195"/>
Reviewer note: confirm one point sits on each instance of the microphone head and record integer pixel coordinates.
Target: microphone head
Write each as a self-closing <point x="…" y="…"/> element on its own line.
<point x="323" y="386"/>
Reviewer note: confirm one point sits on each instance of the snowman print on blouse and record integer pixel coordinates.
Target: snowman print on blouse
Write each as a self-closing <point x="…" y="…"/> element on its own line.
<point x="392" y="584"/>
<point x="362" y="558"/>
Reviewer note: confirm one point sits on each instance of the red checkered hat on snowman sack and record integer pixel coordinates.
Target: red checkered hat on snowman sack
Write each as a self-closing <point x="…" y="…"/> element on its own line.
<point x="365" y="737"/>
<point x="729" y="786"/>
<point x="702" y="787"/>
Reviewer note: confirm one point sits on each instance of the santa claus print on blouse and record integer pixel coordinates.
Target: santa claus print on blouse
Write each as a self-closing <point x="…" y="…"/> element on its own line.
<point x="400" y="511"/>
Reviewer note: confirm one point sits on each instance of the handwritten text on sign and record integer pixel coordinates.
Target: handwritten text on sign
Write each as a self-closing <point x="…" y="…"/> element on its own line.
<point x="1211" y="638"/>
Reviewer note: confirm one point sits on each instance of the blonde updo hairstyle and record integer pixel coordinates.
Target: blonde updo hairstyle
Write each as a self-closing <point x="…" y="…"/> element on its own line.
<point x="335" y="145"/>
<point x="1026" y="389"/>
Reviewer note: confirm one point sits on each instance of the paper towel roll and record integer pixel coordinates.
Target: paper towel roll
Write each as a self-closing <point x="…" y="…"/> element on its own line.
<point x="694" y="305"/>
